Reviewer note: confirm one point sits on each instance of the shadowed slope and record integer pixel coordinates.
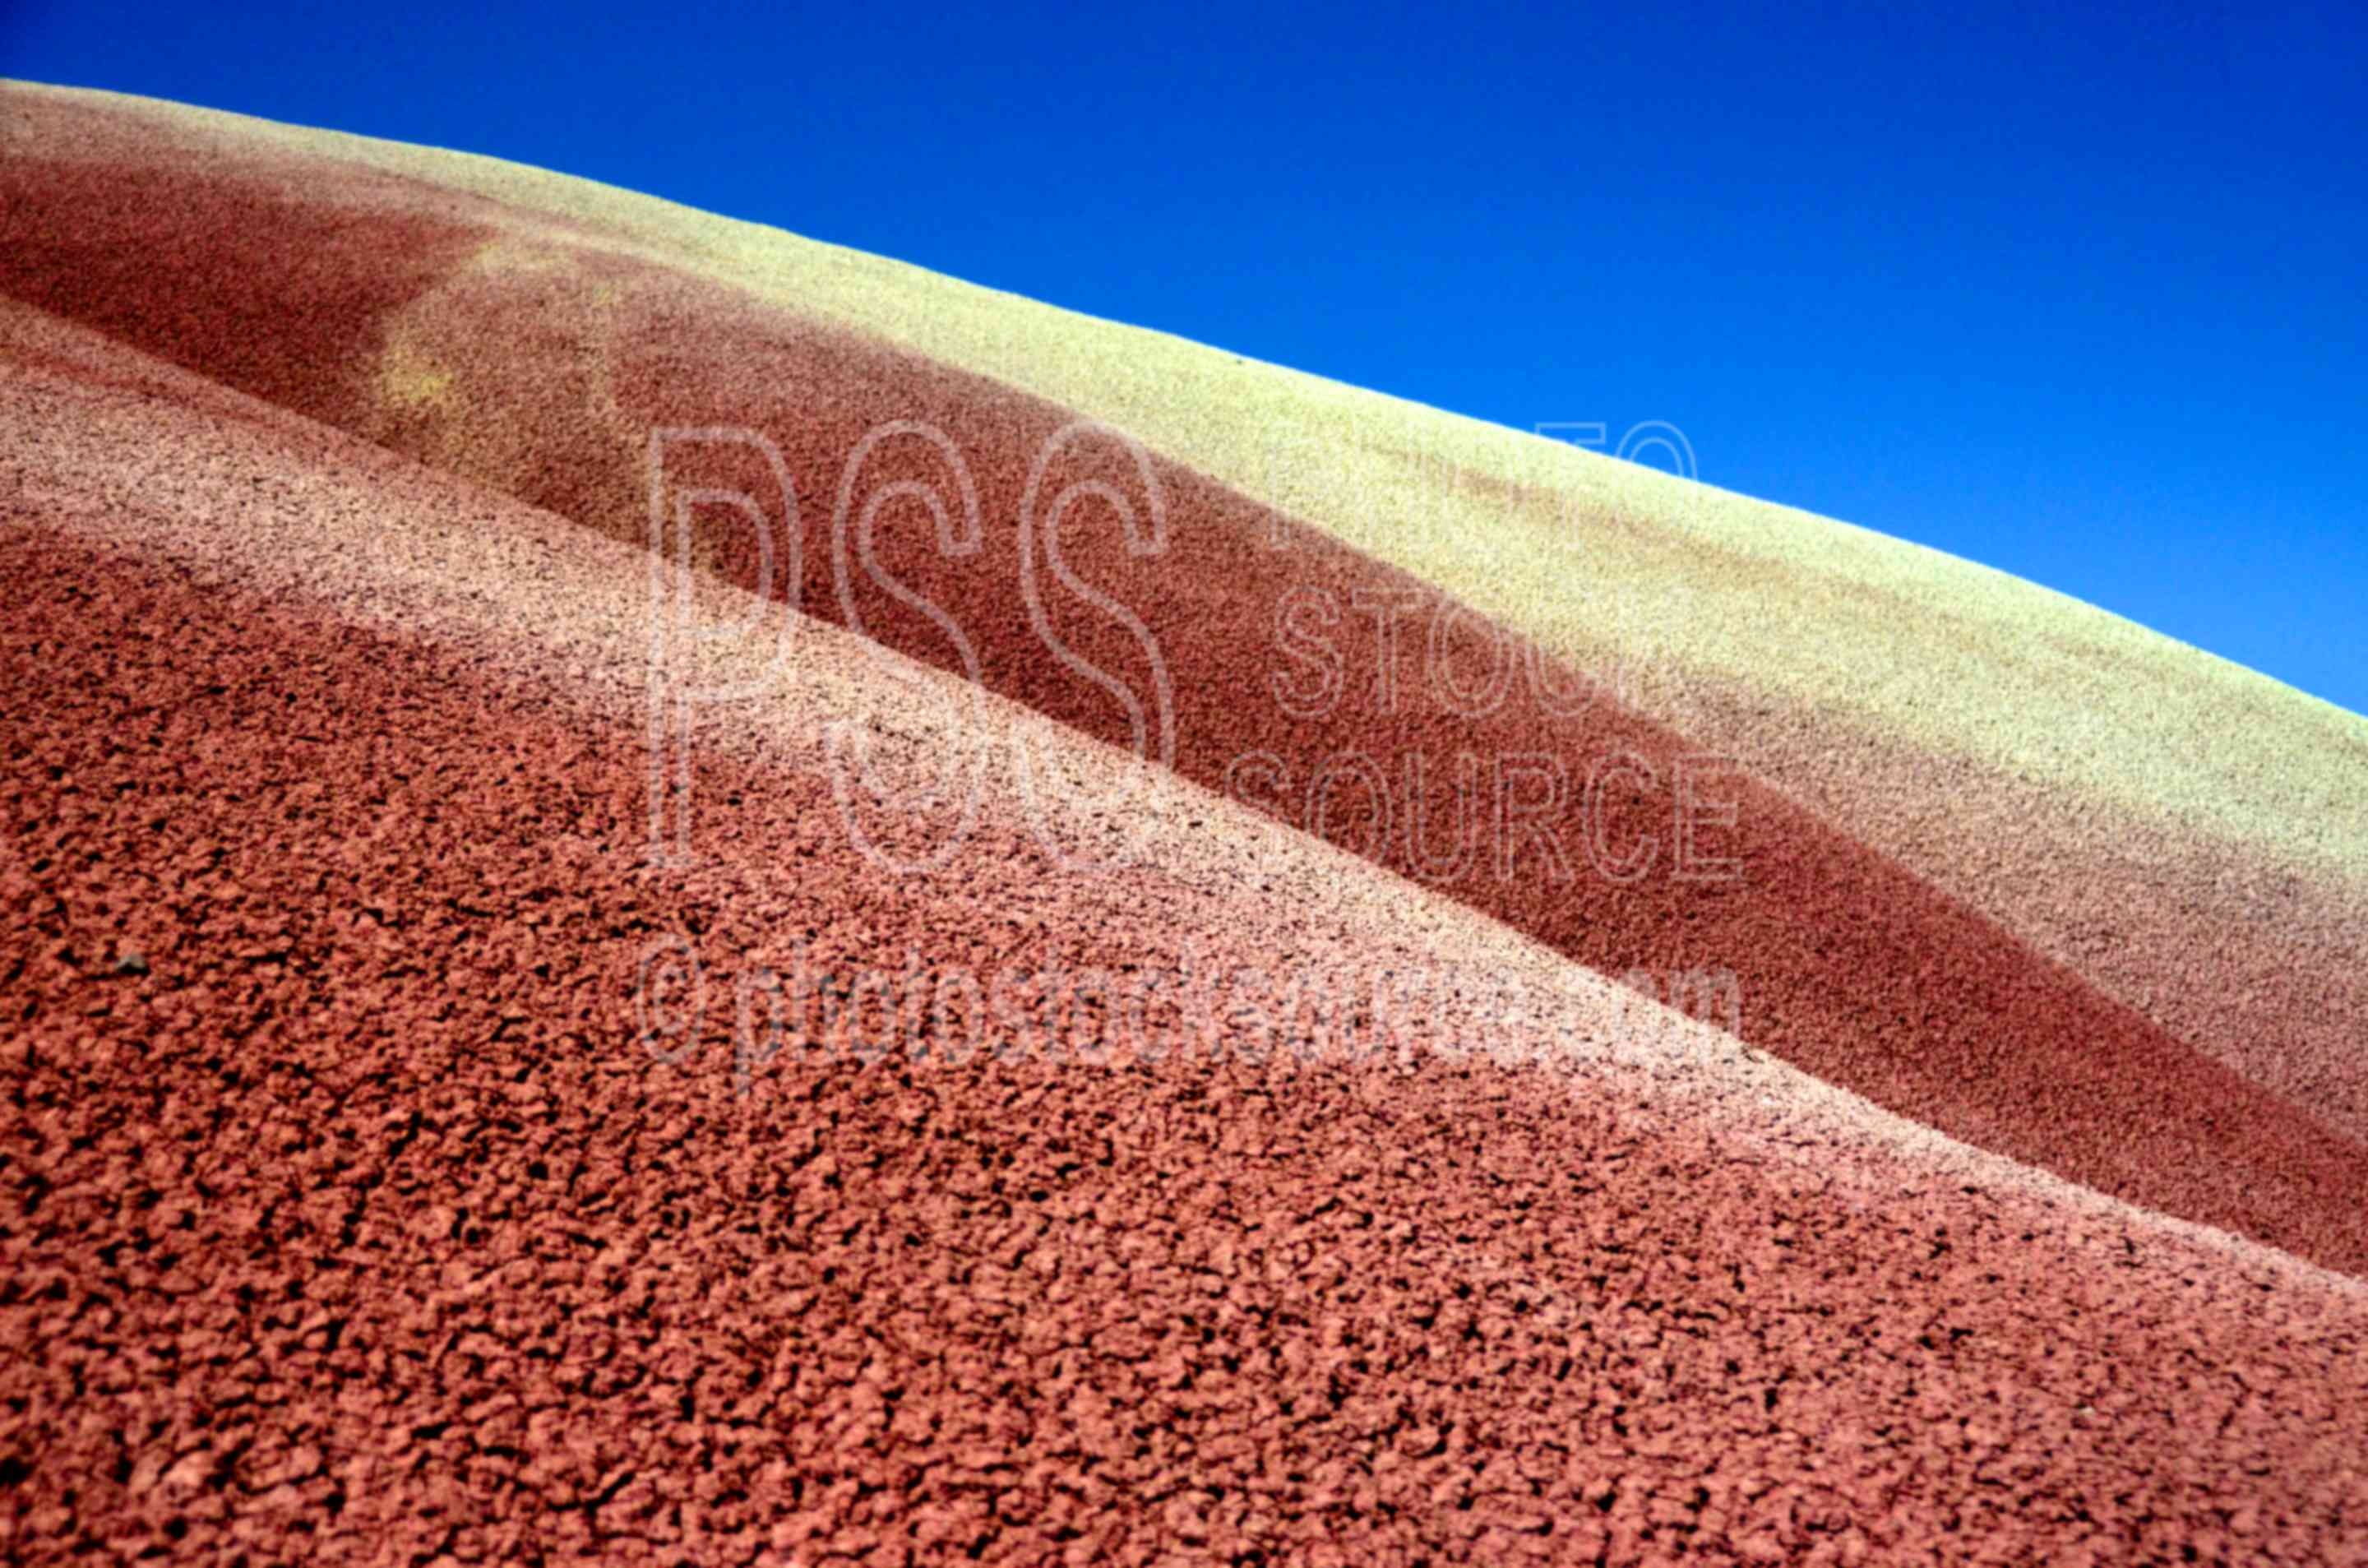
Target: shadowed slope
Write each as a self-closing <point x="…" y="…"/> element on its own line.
<point x="355" y="1220"/>
<point x="514" y="353"/>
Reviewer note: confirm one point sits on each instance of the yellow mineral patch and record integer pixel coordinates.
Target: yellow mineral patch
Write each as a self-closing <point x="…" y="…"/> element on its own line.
<point x="512" y="255"/>
<point x="410" y="379"/>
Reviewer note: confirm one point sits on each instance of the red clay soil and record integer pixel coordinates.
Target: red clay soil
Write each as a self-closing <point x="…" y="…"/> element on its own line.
<point x="1848" y="966"/>
<point x="345" y="1214"/>
<point x="351" y="1220"/>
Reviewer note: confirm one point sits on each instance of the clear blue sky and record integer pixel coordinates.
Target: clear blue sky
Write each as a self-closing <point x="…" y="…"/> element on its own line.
<point x="2084" y="300"/>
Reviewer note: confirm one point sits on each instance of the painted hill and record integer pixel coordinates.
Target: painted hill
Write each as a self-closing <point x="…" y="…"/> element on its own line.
<point x="402" y="1154"/>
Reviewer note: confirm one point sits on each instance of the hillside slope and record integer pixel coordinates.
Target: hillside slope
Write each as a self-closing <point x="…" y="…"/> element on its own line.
<point x="400" y="1164"/>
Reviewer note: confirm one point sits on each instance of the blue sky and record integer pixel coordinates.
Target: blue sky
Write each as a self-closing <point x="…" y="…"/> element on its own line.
<point x="2085" y="299"/>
